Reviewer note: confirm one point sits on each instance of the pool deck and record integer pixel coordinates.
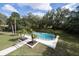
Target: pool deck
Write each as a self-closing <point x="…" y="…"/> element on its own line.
<point x="49" y="43"/>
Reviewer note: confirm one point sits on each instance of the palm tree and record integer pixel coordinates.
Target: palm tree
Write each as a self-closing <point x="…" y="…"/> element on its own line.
<point x="33" y="36"/>
<point x="0" y="24"/>
<point x="12" y="21"/>
<point x="30" y="31"/>
<point x="2" y="20"/>
<point x="27" y="31"/>
<point x="10" y="24"/>
<point x="15" y="17"/>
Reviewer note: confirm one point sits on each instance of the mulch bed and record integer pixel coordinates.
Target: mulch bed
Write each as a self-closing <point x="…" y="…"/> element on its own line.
<point x="32" y="43"/>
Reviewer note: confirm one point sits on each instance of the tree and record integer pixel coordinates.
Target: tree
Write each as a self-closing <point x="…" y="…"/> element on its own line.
<point x="12" y="21"/>
<point x="32" y="20"/>
<point x="3" y="19"/>
<point x="15" y="16"/>
<point x="46" y="21"/>
<point x="33" y="36"/>
<point x="72" y="24"/>
<point x="27" y="31"/>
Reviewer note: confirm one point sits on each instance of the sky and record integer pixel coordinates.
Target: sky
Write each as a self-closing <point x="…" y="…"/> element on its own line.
<point x="36" y="8"/>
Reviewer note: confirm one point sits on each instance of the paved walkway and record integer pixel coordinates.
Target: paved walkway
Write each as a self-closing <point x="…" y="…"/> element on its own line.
<point x="13" y="48"/>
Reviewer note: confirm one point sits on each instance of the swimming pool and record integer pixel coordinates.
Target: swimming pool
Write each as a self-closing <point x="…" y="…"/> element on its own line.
<point x="45" y="36"/>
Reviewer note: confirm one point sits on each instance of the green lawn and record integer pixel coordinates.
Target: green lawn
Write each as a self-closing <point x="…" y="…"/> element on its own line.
<point x="27" y="51"/>
<point x="67" y="45"/>
<point x="6" y="40"/>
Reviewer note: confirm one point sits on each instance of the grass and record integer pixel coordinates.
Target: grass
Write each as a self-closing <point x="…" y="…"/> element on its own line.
<point x="6" y="40"/>
<point x="68" y="45"/>
<point x="27" y="51"/>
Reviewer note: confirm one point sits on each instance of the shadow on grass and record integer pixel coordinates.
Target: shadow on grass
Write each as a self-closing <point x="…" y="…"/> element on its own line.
<point x="58" y="51"/>
<point x="63" y="49"/>
<point x="6" y="33"/>
<point x="1" y="33"/>
<point x="14" y="39"/>
<point x="13" y="35"/>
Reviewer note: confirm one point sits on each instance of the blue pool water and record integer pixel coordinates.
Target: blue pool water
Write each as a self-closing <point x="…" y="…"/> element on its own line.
<point x="45" y="36"/>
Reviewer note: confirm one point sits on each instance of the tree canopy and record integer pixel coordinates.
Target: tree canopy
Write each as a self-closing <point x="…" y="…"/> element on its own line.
<point x="61" y="19"/>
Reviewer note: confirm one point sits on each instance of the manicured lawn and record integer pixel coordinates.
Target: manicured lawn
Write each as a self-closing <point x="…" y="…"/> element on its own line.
<point x="27" y="51"/>
<point x="6" y="40"/>
<point x="67" y="45"/>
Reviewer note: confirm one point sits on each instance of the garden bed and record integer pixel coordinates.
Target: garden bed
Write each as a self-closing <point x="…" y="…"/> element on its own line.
<point x="32" y="44"/>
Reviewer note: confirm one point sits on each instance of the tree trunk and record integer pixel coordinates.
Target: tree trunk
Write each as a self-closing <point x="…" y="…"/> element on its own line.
<point x="15" y="26"/>
<point x="32" y="39"/>
<point x="12" y="28"/>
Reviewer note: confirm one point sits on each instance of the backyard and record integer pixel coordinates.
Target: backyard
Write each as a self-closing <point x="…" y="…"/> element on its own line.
<point x="67" y="45"/>
<point x="7" y="40"/>
<point x="62" y="22"/>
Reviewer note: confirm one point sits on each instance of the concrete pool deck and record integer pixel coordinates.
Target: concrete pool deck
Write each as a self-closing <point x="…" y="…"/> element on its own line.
<point x="49" y="43"/>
